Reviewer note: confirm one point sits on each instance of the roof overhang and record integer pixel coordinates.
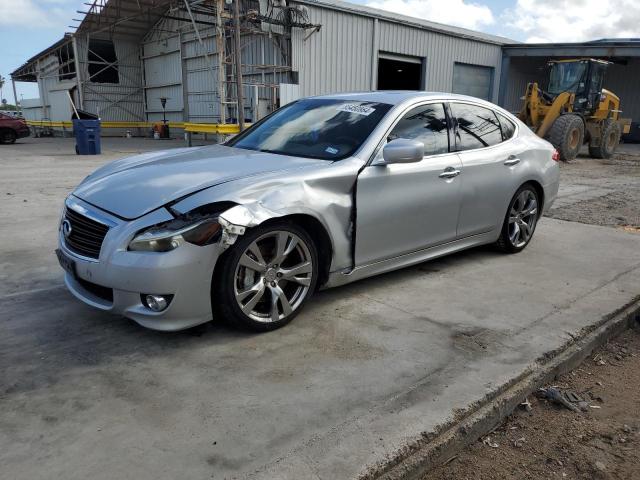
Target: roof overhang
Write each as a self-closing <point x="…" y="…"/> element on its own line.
<point x="123" y="18"/>
<point x="27" y="71"/>
<point x="601" y="49"/>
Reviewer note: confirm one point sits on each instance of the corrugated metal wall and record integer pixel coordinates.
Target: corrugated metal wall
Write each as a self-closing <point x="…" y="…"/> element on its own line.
<point x="521" y="72"/>
<point x="441" y="52"/>
<point x="342" y="56"/>
<point x="338" y="57"/>
<point x="175" y="66"/>
<point x="114" y="101"/>
<point x="624" y="81"/>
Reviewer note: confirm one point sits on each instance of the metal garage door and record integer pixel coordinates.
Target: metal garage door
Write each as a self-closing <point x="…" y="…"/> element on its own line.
<point x="472" y="80"/>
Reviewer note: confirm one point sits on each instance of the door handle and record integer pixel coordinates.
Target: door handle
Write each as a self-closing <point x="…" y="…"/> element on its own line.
<point x="449" y="172"/>
<point x="511" y="161"/>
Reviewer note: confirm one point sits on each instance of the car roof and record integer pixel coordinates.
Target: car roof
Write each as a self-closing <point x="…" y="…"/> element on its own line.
<point x="396" y="97"/>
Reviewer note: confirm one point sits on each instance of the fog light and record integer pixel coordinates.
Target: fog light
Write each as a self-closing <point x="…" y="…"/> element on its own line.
<point x="157" y="303"/>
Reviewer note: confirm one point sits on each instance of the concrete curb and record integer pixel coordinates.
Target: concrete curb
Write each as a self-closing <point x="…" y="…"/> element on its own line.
<point x="413" y="461"/>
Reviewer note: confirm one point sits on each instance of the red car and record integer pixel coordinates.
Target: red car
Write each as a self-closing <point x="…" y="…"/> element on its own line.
<point x="12" y="128"/>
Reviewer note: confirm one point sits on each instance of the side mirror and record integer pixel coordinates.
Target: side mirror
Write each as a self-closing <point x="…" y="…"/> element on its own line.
<point x="402" y="150"/>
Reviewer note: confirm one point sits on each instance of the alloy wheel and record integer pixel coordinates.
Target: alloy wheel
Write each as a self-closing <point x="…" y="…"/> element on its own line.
<point x="273" y="276"/>
<point x="522" y="218"/>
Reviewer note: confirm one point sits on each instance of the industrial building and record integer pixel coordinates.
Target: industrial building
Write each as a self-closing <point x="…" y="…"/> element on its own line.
<point x="125" y="56"/>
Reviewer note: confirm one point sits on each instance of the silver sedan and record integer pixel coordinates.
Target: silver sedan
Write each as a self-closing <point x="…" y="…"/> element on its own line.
<point x="323" y="192"/>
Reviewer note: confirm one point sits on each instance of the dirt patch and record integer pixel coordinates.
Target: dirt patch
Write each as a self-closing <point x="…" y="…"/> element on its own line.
<point x="551" y="441"/>
<point x="621" y="208"/>
<point x="608" y="191"/>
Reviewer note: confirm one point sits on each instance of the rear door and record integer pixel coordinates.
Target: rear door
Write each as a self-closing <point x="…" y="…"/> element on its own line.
<point x="490" y="161"/>
<point x="403" y="208"/>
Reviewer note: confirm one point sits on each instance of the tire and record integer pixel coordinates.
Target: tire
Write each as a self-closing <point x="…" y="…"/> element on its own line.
<point x="7" y="136"/>
<point x="518" y="228"/>
<point x="567" y="135"/>
<point x="253" y="264"/>
<point x="609" y="139"/>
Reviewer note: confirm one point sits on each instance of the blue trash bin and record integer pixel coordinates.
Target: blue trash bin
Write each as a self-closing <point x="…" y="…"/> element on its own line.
<point x="87" y="133"/>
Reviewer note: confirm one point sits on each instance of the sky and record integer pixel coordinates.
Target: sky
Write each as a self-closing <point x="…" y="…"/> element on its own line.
<point x="29" y="26"/>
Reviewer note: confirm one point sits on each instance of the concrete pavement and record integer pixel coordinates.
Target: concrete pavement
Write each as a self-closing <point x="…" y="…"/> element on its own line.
<point x="364" y="374"/>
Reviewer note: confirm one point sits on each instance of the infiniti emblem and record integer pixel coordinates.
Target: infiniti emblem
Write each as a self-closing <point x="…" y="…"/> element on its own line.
<point x="66" y="228"/>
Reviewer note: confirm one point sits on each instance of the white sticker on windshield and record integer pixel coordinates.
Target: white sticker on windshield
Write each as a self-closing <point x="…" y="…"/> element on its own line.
<point x="331" y="150"/>
<point x="359" y="109"/>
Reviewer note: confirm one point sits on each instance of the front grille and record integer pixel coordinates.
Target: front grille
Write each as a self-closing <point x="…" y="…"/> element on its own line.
<point x="99" y="291"/>
<point x="86" y="234"/>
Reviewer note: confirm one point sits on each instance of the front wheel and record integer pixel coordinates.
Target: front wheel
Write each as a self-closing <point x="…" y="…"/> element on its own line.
<point x="263" y="281"/>
<point x="520" y="221"/>
<point x="567" y="135"/>
<point x="7" y="136"/>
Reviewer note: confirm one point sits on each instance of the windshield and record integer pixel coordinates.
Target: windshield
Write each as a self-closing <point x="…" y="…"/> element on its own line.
<point x="327" y="129"/>
<point x="566" y="77"/>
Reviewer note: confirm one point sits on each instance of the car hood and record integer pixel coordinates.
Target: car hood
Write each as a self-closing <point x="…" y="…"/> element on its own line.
<point x="134" y="186"/>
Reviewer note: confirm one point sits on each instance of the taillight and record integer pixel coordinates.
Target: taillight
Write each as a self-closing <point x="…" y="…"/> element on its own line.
<point x="555" y="156"/>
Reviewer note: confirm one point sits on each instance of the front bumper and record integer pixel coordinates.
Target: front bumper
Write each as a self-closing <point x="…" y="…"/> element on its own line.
<point x="185" y="273"/>
<point x="22" y="133"/>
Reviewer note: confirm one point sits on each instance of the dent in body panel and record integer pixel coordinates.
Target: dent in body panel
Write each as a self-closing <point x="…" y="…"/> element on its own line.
<point x="324" y="193"/>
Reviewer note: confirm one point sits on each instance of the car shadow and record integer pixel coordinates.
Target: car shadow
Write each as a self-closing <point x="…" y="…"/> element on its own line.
<point x="44" y="337"/>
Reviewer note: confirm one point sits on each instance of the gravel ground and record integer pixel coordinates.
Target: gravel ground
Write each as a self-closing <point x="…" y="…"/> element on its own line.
<point x="601" y="192"/>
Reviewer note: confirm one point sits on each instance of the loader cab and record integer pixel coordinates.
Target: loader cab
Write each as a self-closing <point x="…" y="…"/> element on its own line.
<point x="581" y="77"/>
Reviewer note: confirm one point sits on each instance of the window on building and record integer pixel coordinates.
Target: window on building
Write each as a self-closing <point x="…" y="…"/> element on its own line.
<point x="476" y="127"/>
<point x="103" y="66"/>
<point x="427" y="124"/>
<point x="66" y="62"/>
<point x="508" y="128"/>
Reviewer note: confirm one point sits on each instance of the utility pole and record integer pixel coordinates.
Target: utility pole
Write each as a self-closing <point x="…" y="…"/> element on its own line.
<point x="238" y="59"/>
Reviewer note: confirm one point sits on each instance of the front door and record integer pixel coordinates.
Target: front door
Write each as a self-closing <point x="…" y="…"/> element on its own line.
<point x="402" y="208"/>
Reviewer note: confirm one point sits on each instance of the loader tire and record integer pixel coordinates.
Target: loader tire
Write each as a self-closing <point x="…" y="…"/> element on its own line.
<point x="609" y="139"/>
<point x="567" y="135"/>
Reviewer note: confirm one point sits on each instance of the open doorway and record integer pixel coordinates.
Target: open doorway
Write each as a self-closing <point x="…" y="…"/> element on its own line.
<point x="396" y="72"/>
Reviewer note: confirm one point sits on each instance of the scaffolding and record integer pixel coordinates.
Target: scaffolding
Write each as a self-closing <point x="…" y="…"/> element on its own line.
<point x="227" y="32"/>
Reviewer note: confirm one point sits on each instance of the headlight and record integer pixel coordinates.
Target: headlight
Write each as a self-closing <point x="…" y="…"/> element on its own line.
<point x="170" y="235"/>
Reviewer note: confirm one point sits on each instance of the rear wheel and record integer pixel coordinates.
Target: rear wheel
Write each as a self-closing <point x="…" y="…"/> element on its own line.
<point x="567" y="135"/>
<point x="609" y="139"/>
<point x="7" y="136"/>
<point x="520" y="221"/>
<point x="263" y="281"/>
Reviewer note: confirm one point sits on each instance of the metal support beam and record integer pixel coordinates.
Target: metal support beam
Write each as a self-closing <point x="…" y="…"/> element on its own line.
<point x="504" y="78"/>
<point x="238" y="60"/>
<point x="374" y="56"/>
<point x="76" y="60"/>
<point x="221" y="67"/>
<point x="15" y="95"/>
<point x="568" y="50"/>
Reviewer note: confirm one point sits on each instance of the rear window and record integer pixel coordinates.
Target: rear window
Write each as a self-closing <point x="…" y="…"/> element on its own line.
<point x="476" y="127"/>
<point x="326" y="129"/>
<point x="507" y="126"/>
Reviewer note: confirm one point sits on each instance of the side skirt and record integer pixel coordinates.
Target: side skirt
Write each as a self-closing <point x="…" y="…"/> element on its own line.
<point x="342" y="278"/>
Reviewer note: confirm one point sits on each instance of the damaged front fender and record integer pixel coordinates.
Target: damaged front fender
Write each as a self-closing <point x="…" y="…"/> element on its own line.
<point x="324" y="193"/>
<point x="237" y="219"/>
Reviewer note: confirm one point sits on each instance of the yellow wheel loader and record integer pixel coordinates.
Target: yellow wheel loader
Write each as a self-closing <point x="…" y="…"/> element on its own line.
<point x="574" y="109"/>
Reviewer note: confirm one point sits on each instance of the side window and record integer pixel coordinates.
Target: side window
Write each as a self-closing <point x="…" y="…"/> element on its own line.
<point x="428" y="124"/>
<point x="508" y="128"/>
<point x="476" y="127"/>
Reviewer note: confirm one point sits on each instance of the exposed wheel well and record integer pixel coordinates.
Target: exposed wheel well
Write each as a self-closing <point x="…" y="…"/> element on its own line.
<point x="321" y="238"/>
